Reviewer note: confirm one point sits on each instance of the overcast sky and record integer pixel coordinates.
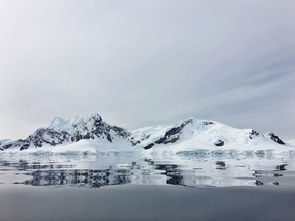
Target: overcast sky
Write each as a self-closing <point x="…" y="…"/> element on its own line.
<point x="140" y="63"/>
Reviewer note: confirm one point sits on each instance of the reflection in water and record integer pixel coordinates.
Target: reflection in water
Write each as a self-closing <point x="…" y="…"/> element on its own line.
<point x="121" y="168"/>
<point x="91" y="178"/>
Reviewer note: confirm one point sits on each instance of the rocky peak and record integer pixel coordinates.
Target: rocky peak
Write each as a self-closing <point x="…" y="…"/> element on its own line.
<point x="62" y="131"/>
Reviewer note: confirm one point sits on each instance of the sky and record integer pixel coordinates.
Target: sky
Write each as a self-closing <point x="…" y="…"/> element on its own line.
<point x="140" y="63"/>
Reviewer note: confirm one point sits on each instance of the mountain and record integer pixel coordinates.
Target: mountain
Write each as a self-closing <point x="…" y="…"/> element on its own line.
<point x="195" y="134"/>
<point x="62" y="131"/>
<point x="188" y="134"/>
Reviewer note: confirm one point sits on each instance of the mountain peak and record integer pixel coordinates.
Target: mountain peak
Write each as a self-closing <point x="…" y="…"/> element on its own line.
<point x="61" y="124"/>
<point x="189" y="133"/>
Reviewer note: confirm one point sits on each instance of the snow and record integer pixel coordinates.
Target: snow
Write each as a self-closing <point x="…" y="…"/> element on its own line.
<point x="291" y="142"/>
<point x="80" y="147"/>
<point x="199" y="161"/>
<point x="69" y="125"/>
<point x="196" y="135"/>
<point x="150" y="134"/>
<point x="199" y="135"/>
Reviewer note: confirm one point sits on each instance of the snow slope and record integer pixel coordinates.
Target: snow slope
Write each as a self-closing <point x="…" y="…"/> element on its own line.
<point x="91" y="134"/>
<point x="203" y="134"/>
<point x="291" y="142"/>
<point x="60" y="132"/>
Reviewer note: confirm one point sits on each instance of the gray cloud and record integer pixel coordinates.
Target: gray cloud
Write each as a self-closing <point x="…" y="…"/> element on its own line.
<point x="144" y="62"/>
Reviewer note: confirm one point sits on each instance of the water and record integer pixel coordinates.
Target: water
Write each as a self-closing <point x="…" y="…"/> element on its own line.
<point x="121" y="168"/>
<point x="187" y="186"/>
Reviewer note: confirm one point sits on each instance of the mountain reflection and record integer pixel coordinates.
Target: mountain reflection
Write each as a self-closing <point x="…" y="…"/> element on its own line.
<point x="98" y="171"/>
<point x="90" y="178"/>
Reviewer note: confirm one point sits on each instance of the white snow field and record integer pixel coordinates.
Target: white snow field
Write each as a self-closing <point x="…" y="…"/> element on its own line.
<point x="90" y="134"/>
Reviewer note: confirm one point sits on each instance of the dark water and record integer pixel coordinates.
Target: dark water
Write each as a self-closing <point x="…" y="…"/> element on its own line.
<point x="129" y="186"/>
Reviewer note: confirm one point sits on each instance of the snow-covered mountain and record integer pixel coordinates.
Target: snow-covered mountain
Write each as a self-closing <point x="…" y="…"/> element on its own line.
<point x="190" y="134"/>
<point x="62" y="131"/>
<point x="195" y="134"/>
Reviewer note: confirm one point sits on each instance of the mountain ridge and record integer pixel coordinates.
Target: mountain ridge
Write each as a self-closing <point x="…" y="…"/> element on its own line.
<point x="188" y="133"/>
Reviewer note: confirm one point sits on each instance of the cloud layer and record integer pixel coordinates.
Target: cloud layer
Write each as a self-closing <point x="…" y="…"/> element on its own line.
<point x="144" y="62"/>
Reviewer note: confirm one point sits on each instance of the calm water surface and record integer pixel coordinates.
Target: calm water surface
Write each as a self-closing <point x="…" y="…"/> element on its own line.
<point x="132" y="186"/>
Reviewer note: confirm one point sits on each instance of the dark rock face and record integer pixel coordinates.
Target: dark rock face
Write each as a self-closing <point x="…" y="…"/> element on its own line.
<point x="44" y="136"/>
<point x="275" y="138"/>
<point x="149" y="146"/>
<point x="172" y="135"/>
<point x="253" y="133"/>
<point x="219" y="143"/>
<point x="90" y="128"/>
<point x="206" y="123"/>
<point x="7" y="146"/>
<point x="135" y="142"/>
<point x="120" y="131"/>
<point x="93" y="127"/>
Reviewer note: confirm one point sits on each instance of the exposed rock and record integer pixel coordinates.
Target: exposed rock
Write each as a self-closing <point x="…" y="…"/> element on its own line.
<point x="7" y="146"/>
<point x="173" y="134"/>
<point x="253" y="133"/>
<point x="219" y="143"/>
<point x="275" y="138"/>
<point x="206" y="123"/>
<point x="149" y="146"/>
<point x="93" y="127"/>
<point x="61" y="131"/>
<point x="133" y="141"/>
